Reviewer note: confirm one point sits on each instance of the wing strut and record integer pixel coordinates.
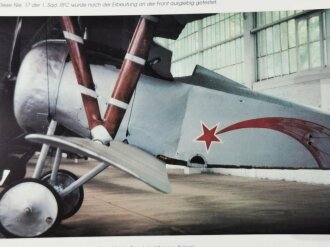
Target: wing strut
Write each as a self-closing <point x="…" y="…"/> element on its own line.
<point x="135" y="59"/>
<point x="130" y="72"/>
<point x="82" y="70"/>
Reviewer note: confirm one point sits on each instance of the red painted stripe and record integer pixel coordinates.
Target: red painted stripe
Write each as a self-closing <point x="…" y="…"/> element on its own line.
<point x="303" y="131"/>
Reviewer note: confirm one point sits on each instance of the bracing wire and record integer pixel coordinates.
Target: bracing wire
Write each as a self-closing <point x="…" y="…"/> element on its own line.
<point x="130" y="113"/>
<point x="47" y="70"/>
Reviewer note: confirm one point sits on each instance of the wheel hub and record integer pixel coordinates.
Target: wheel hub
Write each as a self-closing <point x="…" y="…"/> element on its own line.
<point x="71" y="203"/>
<point x="28" y="209"/>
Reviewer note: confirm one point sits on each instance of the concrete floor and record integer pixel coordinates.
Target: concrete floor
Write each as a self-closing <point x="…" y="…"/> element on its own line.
<point x="119" y="205"/>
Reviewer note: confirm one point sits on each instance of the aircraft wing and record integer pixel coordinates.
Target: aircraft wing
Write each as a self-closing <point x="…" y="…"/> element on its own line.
<point x="128" y="158"/>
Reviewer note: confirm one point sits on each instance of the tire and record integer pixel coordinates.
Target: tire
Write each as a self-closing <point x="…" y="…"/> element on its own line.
<point x="72" y="202"/>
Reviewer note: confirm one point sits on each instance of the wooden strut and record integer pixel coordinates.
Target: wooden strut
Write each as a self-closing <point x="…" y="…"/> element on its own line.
<point x="128" y="76"/>
<point x="82" y="70"/>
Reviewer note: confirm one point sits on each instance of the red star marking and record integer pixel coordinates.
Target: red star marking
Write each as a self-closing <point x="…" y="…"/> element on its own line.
<point x="208" y="136"/>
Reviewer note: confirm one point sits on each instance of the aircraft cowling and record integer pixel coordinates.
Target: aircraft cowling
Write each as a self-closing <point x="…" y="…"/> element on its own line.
<point x="37" y="85"/>
<point x="204" y="115"/>
<point x="46" y="89"/>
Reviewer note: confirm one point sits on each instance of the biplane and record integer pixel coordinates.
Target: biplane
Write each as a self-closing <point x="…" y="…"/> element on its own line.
<point x="79" y="89"/>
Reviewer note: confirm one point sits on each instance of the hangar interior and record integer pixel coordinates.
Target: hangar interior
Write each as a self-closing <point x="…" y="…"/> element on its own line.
<point x="281" y="53"/>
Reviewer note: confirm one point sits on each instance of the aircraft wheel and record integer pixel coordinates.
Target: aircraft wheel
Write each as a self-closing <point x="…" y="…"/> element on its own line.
<point x="73" y="201"/>
<point x="29" y="208"/>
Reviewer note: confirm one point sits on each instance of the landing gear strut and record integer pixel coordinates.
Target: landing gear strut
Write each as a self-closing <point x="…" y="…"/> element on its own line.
<point x="32" y="207"/>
